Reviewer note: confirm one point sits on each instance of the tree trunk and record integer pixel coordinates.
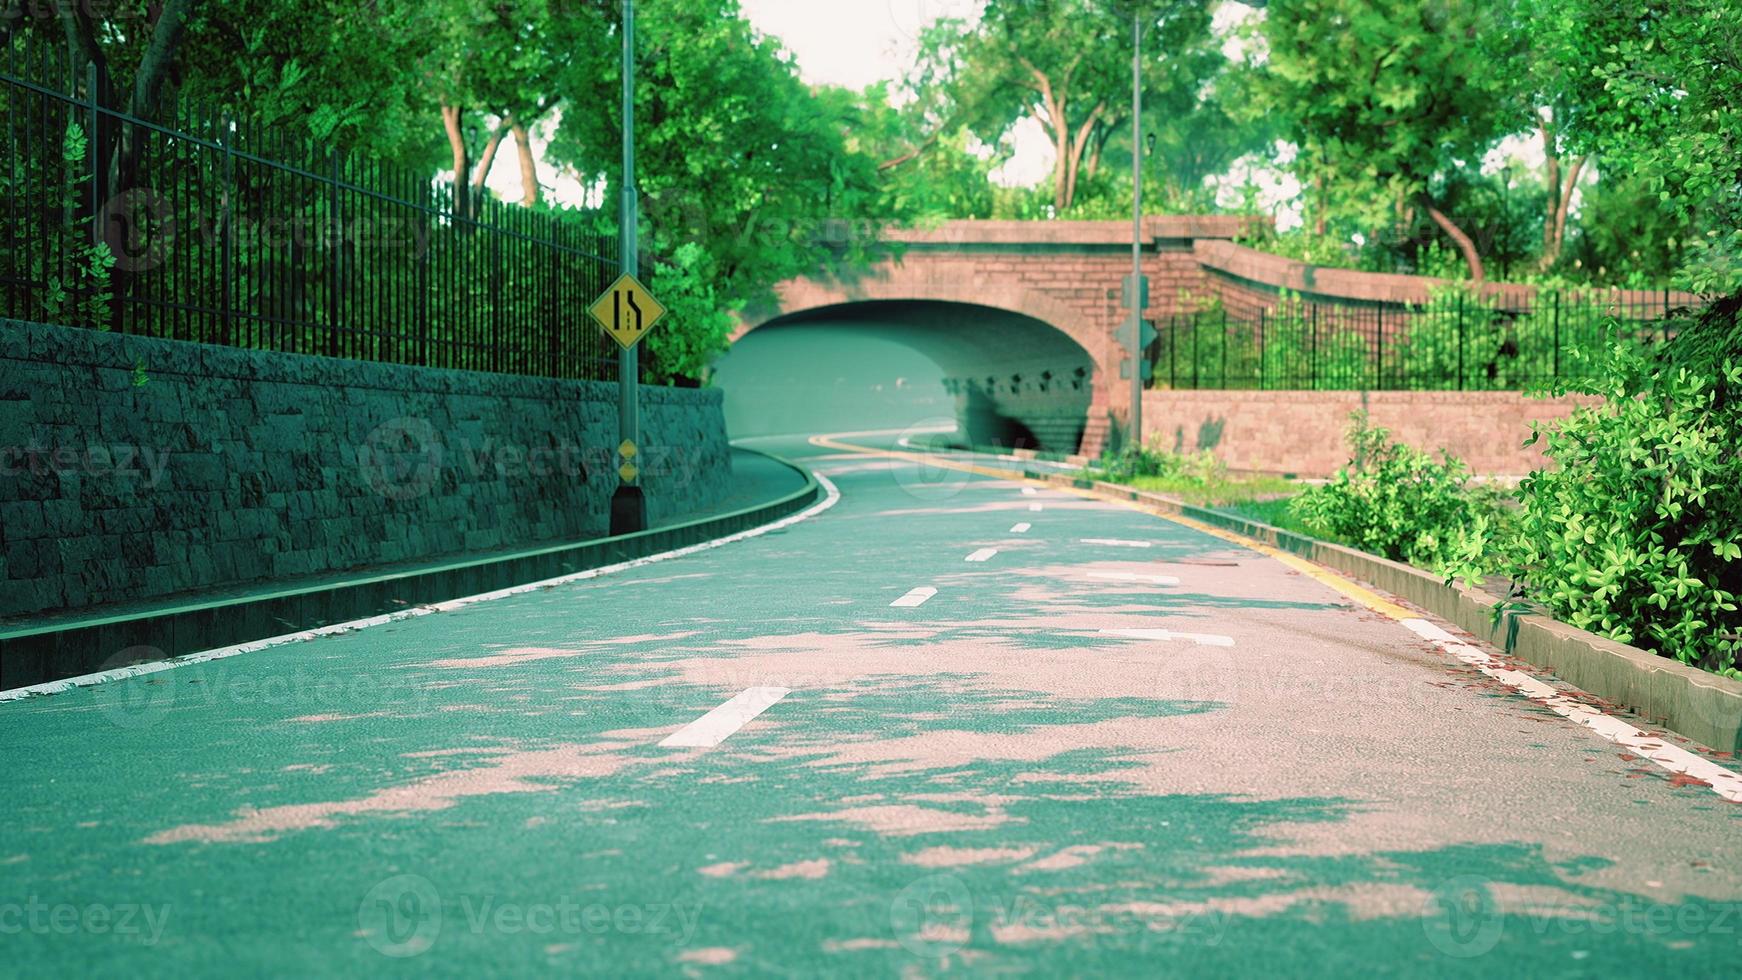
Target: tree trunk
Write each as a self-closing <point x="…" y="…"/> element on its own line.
<point x="1551" y="209"/>
<point x="1560" y="221"/>
<point x="528" y="165"/>
<point x="1319" y="203"/>
<point x="487" y="162"/>
<point x="1076" y="151"/>
<point x="457" y="143"/>
<point x="1465" y="245"/>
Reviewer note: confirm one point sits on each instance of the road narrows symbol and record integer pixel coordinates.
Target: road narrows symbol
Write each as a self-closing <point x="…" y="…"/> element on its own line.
<point x="627" y="311"/>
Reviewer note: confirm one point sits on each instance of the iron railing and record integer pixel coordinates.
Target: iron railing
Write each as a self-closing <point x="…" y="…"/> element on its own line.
<point x="227" y="233"/>
<point x="1457" y="341"/>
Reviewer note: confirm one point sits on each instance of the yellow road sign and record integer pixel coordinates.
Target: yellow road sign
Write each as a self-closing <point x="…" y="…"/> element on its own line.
<point x="627" y="311"/>
<point x="628" y="472"/>
<point x="627" y="450"/>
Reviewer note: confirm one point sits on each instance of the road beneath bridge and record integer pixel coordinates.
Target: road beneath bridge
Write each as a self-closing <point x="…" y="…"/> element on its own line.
<point x="942" y="722"/>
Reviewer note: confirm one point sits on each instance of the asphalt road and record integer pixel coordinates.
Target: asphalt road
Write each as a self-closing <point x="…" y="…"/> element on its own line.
<point x="947" y="724"/>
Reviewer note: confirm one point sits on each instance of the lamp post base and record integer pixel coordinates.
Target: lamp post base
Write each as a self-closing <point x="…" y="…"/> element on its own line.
<point x="628" y="511"/>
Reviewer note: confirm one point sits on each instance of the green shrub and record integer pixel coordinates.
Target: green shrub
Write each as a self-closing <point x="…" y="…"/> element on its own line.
<point x="1637" y="532"/>
<point x="1401" y="503"/>
<point x="1152" y="461"/>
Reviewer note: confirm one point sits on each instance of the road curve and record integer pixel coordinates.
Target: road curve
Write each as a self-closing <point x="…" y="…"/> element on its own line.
<point x="950" y="723"/>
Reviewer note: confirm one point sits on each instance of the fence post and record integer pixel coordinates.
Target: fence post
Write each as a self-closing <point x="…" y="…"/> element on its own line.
<point x="332" y="253"/>
<point x="1313" y="362"/>
<point x="1460" y="341"/>
<point x="1379" y="346"/>
<point x="1557" y="334"/>
<point x="227" y="242"/>
<point x="94" y="152"/>
<point x="1261" y="379"/>
<point x="1224" y="347"/>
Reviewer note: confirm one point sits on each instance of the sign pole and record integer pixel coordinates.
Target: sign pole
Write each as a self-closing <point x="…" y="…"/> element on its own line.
<point x="1139" y="291"/>
<point x="628" y="506"/>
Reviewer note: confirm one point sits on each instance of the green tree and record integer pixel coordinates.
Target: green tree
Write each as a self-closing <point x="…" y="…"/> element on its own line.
<point x="1393" y="95"/>
<point x="1659" y="101"/>
<point x="1067" y="65"/>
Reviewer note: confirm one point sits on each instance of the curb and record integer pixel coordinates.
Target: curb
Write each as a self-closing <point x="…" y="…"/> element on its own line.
<point x="1686" y="700"/>
<point x="35" y="655"/>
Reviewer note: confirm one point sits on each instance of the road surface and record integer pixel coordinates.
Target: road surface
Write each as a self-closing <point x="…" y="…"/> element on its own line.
<point x="946" y="723"/>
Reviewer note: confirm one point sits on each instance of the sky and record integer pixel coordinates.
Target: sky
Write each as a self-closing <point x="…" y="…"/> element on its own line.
<point x="855" y="43"/>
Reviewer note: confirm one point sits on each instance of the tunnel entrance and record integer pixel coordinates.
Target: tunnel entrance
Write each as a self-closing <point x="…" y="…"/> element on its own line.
<point x="1007" y="379"/>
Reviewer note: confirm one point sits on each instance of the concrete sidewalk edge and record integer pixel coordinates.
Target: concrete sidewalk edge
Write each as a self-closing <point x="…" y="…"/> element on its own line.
<point x="31" y="656"/>
<point x="1687" y="700"/>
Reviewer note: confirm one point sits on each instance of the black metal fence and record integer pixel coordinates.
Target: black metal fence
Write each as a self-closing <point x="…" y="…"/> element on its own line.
<point x="216" y="238"/>
<point x="1457" y="341"/>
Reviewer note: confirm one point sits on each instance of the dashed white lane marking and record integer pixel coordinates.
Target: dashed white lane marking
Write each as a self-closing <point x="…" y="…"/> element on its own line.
<point x="915" y="597"/>
<point x="1201" y="639"/>
<point x="1029" y="491"/>
<point x="1117" y="542"/>
<point x="1035" y="507"/>
<point x="1134" y="577"/>
<point x="717" y="725"/>
<point x="1724" y="782"/>
<point x="224" y="653"/>
<point x="1020" y="528"/>
<point x="982" y="555"/>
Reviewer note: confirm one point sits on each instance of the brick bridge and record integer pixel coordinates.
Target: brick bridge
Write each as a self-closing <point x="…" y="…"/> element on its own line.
<point x="1046" y="366"/>
<point x="1021" y="315"/>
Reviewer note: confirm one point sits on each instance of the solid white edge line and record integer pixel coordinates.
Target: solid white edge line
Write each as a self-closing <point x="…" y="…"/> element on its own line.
<point x="1020" y="528"/>
<point x="719" y="724"/>
<point x="1724" y="782"/>
<point x="252" y="646"/>
<point x="1115" y="542"/>
<point x="1201" y="639"/>
<point x="984" y="554"/>
<point x="915" y="597"/>
<point x="1134" y="577"/>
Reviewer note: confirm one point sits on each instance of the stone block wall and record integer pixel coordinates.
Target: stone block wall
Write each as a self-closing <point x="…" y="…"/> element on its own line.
<point x="133" y="468"/>
<point x="1301" y="432"/>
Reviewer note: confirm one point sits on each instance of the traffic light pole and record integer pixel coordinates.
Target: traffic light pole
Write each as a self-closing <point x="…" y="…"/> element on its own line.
<point x="628" y="506"/>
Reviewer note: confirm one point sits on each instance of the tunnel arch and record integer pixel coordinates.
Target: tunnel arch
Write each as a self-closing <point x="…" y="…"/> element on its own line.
<point x="1015" y="379"/>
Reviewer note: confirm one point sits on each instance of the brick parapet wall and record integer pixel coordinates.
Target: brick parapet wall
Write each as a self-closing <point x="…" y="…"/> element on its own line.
<point x="1302" y="432"/>
<point x="231" y="466"/>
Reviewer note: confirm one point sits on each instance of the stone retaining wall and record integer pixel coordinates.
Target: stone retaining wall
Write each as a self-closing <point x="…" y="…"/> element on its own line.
<point x="133" y="468"/>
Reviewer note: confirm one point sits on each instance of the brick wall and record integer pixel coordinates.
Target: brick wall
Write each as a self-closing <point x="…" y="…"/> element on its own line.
<point x="229" y="466"/>
<point x="1301" y="432"/>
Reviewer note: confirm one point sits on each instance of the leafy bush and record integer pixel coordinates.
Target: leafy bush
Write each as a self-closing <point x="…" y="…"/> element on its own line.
<point x="698" y="325"/>
<point x="1400" y="502"/>
<point x="1637" y="533"/>
<point x="1135" y="462"/>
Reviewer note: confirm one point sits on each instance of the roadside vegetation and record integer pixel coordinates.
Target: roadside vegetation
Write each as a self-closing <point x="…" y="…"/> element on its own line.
<point x="1632" y="531"/>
